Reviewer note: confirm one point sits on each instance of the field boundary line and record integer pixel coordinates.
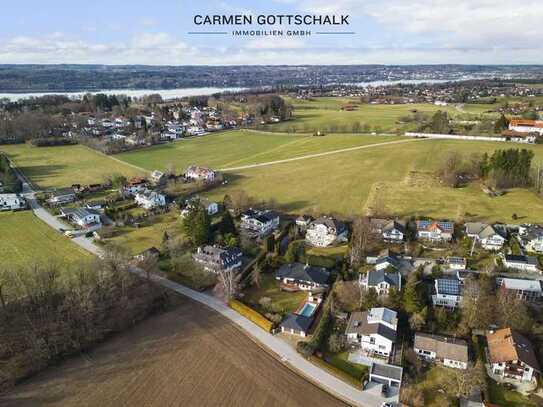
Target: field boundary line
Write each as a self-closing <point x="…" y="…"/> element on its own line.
<point x="116" y="159"/>
<point x="316" y="155"/>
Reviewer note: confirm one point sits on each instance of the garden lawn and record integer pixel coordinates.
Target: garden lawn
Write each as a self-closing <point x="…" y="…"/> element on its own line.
<point x="401" y="176"/>
<point x="139" y="239"/>
<point x="237" y="148"/>
<point x="63" y="166"/>
<point x="507" y="398"/>
<point x="283" y="301"/>
<point x="26" y="241"/>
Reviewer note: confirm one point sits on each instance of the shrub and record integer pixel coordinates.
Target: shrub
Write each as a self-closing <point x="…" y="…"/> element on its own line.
<point x="306" y="349"/>
<point x="251" y="315"/>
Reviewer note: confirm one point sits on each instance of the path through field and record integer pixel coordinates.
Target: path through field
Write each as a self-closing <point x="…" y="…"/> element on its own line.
<point x="309" y="156"/>
<point x="189" y="356"/>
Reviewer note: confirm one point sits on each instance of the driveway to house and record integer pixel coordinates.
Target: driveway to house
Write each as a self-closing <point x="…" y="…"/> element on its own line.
<point x="316" y="155"/>
<point x="282" y="350"/>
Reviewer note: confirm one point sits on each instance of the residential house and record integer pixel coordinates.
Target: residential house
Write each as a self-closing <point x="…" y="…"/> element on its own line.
<point x="435" y="231"/>
<point x="158" y="177"/>
<point x="452" y="352"/>
<point x="389" y="230"/>
<point x="447" y="292"/>
<point x="531" y="238"/>
<point x="300" y="321"/>
<point x="511" y="355"/>
<point x="200" y="174"/>
<point x="374" y="330"/>
<point x="135" y="185"/>
<point x="381" y="281"/>
<point x="303" y="222"/>
<point x="217" y="259"/>
<point x="387" y="261"/>
<point x="520" y="262"/>
<point x="490" y="237"/>
<point x="62" y="196"/>
<point x="82" y="217"/>
<point x="298" y="276"/>
<point x="326" y="231"/>
<point x="526" y="126"/>
<point x="456" y="263"/>
<point x="527" y="290"/>
<point x="211" y="207"/>
<point x="12" y="202"/>
<point x="96" y="205"/>
<point x="149" y="199"/>
<point x="260" y="222"/>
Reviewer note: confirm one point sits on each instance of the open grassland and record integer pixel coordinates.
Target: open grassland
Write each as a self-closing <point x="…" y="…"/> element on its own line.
<point x="62" y="166"/>
<point x="189" y="356"/>
<point x="401" y="176"/>
<point x="236" y="148"/>
<point x="326" y="114"/>
<point x="26" y="240"/>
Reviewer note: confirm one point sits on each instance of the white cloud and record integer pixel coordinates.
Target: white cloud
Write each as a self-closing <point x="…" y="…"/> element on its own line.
<point x="466" y="23"/>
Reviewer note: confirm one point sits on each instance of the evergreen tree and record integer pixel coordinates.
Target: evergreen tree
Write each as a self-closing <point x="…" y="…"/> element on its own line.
<point x="501" y="124"/>
<point x="197" y="226"/>
<point x="227" y="225"/>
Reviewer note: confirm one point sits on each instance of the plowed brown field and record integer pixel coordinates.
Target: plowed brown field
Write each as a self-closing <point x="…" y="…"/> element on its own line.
<point x="188" y="356"/>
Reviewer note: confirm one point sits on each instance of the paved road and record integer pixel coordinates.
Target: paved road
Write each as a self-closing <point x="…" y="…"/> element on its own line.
<point x="309" y="156"/>
<point x="280" y="348"/>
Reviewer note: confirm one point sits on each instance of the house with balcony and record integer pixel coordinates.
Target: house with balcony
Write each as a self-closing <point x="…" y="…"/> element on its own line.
<point x="326" y="231"/>
<point x="381" y="281"/>
<point x="521" y="262"/>
<point x="217" y="259"/>
<point x="149" y="199"/>
<point x="82" y="217"/>
<point x="197" y="173"/>
<point x="390" y="230"/>
<point x="447" y="293"/>
<point x="435" y="231"/>
<point x="298" y="276"/>
<point x="260" y="222"/>
<point x="511" y="355"/>
<point x="488" y="236"/>
<point x="531" y="238"/>
<point x="374" y="331"/>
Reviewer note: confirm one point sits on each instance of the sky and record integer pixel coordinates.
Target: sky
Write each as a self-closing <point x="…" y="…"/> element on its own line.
<point x="386" y="32"/>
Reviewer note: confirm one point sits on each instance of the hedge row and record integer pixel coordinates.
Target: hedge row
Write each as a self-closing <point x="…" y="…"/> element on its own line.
<point x="251" y="315"/>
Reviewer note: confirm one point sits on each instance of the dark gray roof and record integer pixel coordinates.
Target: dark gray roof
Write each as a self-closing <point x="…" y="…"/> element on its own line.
<point x="304" y="272"/>
<point x="378" y="276"/>
<point x="358" y="323"/>
<point x="297" y="322"/>
<point x="390" y="371"/>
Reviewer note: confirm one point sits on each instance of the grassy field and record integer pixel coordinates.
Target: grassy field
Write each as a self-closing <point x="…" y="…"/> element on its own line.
<point x="325" y="114"/>
<point x="401" y="176"/>
<point x="509" y="398"/>
<point x="26" y="240"/>
<point x="237" y="148"/>
<point x="56" y="167"/>
<point x="189" y="356"/>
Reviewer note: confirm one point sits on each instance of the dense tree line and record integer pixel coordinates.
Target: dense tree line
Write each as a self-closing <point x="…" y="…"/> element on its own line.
<point x="10" y="182"/>
<point x="48" y="312"/>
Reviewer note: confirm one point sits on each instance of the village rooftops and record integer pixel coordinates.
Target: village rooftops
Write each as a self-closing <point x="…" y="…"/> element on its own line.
<point x="304" y="272"/>
<point x="505" y="345"/>
<point x="444" y="347"/>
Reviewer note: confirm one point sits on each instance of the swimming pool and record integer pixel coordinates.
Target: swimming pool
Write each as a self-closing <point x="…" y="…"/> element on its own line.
<point x="307" y="310"/>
